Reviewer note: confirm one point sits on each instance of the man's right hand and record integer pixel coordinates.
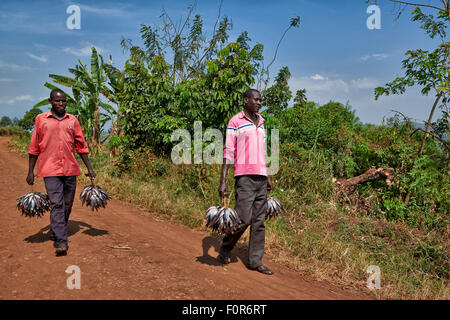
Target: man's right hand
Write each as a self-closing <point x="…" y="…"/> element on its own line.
<point x="30" y="178"/>
<point x="223" y="189"/>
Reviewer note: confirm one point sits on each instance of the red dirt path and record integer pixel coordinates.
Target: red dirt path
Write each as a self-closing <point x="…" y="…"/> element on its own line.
<point x="166" y="261"/>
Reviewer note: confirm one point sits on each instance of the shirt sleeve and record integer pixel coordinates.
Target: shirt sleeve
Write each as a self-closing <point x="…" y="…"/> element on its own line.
<point x="229" y="151"/>
<point x="34" y="144"/>
<point x="80" y="143"/>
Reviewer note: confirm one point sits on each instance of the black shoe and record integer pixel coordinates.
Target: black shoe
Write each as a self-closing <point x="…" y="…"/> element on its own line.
<point x="61" y="248"/>
<point x="224" y="258"/>
<point x="263" y="269"/>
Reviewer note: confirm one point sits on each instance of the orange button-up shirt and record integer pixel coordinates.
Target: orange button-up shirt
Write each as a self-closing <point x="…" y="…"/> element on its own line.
<point x="55" y="141"/>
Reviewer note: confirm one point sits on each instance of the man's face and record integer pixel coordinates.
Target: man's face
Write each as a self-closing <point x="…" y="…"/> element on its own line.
<point x="58" y="102"/>
<point x="253" y="103"/>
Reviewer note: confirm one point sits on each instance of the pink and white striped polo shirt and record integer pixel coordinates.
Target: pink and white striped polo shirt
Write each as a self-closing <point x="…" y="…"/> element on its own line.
<point x="245" y="145"/>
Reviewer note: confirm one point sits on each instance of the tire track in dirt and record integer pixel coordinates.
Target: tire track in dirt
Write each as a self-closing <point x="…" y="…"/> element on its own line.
<point x="166" y="261"/>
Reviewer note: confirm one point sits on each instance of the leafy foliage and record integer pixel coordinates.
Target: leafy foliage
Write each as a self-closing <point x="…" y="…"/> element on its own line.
<point x="27" y="122"/>
<point x="277" y="97"/>
<point x="5" y="121"/>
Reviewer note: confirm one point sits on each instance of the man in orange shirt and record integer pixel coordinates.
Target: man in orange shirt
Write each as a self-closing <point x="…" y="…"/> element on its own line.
<point x="56" y="135"/>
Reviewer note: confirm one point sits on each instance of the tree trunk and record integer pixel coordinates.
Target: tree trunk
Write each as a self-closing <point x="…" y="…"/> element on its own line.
<point x="427" y="128"/>
<point x="112" y="153"/>
<point x="96" y="133"/>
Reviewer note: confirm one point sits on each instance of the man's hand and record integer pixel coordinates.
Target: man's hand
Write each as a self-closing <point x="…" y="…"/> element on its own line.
<point x="269" y="184"/>
<point x="223" y="189"/>
<point x="31" y="163"/>
<point x="30" y="178"/>
<point x="91" y="174"/>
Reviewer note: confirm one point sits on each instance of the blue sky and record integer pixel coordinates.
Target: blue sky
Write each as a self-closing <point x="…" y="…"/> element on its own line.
<point x="333" y="55"/>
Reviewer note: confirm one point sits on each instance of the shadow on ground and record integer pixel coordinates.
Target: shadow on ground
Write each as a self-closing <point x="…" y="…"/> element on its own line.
<point x="215" y="242"/>
<point x="72" y="228"/>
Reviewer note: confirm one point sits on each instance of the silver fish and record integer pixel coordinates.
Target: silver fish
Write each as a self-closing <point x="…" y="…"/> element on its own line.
<point x="273" y="208"/>
<point x="95" y="197"/>
<point x="33" y="204"/>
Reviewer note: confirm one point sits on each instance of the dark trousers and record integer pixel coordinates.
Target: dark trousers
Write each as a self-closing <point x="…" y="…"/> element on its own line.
<point x="251" y="206"/>
<point x="61" y="191"/>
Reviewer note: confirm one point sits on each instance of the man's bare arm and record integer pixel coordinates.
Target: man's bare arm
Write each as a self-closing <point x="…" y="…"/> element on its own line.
<point x="87" y="163"/>
<point x="31" y="164"/>
<point x="223" y="189"/>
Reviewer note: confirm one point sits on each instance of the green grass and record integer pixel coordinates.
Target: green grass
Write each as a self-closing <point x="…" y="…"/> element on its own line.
<point x="314" y="235"/>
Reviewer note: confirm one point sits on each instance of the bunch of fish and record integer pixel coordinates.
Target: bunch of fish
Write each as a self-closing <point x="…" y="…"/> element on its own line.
<point x="33" y="204"/>
<point x="222" y="219"/>
<point x="273" y="208"/>
<point x="94" y="196"/>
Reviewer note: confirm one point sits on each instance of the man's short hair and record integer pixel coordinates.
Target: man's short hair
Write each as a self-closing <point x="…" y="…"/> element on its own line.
<point x="248" y="93"/>
<point x="56" y="90"/>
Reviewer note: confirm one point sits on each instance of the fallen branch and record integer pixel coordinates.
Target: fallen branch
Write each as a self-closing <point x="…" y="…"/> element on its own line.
<point x="346" y="190"/>
<point x="370" y="175"/>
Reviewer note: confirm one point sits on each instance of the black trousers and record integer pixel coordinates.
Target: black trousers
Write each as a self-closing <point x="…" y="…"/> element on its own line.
<point x="251" y="206"/>
<point x="61" y="191"/>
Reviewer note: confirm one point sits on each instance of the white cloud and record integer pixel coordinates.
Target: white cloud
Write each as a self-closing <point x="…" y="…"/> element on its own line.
<point x="13" y="66"/>
<point x="376" y="56"/>
<point x="7" y="80"/>
<point x="364" y="83"/>
<point x="38" y="58"/>
<point x="319" y="84"/>
<point x="318" y="77"/>
<point x="85" y="51"/>
<point x="325" y="86"/>
<point x="105" y="11"/>
<point x="16" y="99"/>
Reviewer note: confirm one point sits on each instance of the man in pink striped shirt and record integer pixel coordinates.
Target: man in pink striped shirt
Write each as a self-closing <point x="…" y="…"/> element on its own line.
<point x="245" y="148"/>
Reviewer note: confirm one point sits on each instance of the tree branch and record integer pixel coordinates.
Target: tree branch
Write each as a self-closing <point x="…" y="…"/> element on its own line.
<point x="434" y="135"/>
<point x="418" y="4"/>
<point x="218" y="17"/>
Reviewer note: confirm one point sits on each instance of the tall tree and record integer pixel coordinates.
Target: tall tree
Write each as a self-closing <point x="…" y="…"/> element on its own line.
<point x="276" y="98"/>
<point x="184" y="45"/>
<point x="27" y="122"/>
<point x="5" y="121"/>
<point x="427" y="69"/>
<point x="430" y="70"/>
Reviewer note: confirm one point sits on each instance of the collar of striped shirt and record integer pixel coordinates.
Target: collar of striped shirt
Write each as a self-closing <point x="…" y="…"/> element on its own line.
<point x="242" y="115"/>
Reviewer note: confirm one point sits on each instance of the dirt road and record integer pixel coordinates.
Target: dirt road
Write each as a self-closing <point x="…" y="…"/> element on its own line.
<point x="125" y="253"/>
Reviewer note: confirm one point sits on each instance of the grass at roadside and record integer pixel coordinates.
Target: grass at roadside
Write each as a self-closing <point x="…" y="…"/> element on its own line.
<point x="10" y="131"/>
<point x="315" y="236"/>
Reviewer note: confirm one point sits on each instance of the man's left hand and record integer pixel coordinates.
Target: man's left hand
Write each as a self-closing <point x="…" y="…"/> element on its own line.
<point x="91" y="174"/>
<point x="269" y="184"/>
